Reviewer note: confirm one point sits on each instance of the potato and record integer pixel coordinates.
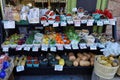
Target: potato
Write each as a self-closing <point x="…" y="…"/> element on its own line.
<point x="92" y="55"/>
<point x="92" y="59"/>
<point x="75" y="63"/>
<point x="85" y="58"/>
<point x="57" y="57"/>
<point x="111" y="58"/>
<point x="92" y="63"/>
<point x="88" y="55"/>
<point x="78" y="59"/>
<point x="79" y="55"/>
<point x="72" y="58"/>
<point x="114" y="64"/>
<point x="84" y="63"/>
<point x="71" y="54"/>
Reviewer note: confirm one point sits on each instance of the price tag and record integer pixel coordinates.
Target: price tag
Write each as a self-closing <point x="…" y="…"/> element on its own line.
<point x="77" y="23"/>
<point x="112" y="21"/>
<point x="55" y="24"/>
<point x="67" y="46"/>
<point x="9" y="24"/>
<point x="59" y="46"/>
<point x="20" y="68"/>
<point x="82" y="46"/>
<point x="99" y="23"/>
<point x="46" y="24"/>
<point x="44" y="47"/>
<point x="35" y="48"/>
<point x="5" y="49"/>
<point x="89" y="23"/>
<point x="84" y="21"/>
<point x="91" y="20"/>
<point x="93" y="47"/>
<point x="53" y="48"/>
<point x="18" y="48"/>
<point x="58" y="68"/>
<point x="106" y="22"/>
<point x="75" y="46"/>
<point x="70" y="22"/>
<point x="63" y="24"/>
<point x="27" y="48"/>
<point x="43" y="22"/>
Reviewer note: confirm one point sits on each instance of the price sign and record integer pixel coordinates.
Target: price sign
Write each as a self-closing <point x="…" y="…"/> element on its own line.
<point x="27" y="48"/>
<point x="20" y="68"/>
<point x="84" y="21"/>
<point x="5" y="49"/>
<point x="18" y="48"/>
<point x="9" y="24"/>
<point x="99" y="23"/>
<point x="91" y="20"/>
<point x="77" y="23"/>
<point x="58" y="68"/>
<point x="44" y="47"/>
<point x="82" y="46"/>
<point x="67" y="46"/>
<point x="106" y="22"/>
<point x="93" y="47"/>
<point x="75" y="46"/>
<point x="89" y="23"/>
<point x="55" y="24"/>
<point x="43" y="22"/>
<point x="112" y="21"/>
<point x="35" y="48"/>
<point x="63" y="24"/>
<point x="53" y="48"/>
<point x="46" y="24"/>
<point x="59" y="46"/>
<point x="70" y="22"/>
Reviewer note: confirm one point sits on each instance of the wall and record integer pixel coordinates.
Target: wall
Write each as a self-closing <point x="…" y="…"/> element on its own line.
<point x="114" y="6"/>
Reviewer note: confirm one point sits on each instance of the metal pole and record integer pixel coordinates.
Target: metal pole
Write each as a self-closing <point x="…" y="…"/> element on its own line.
<point x="2" y="5"/>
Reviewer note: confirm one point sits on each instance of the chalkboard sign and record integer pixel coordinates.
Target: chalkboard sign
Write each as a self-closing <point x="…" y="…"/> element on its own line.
<point x="89" y="5"/>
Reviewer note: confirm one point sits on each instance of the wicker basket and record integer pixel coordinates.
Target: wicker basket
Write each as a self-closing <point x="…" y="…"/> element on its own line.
<point x="104" y="71"/>
<point x="118" y="72"/>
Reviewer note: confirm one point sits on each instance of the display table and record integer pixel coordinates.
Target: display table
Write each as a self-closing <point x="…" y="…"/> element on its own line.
<point x="95" y="77"/>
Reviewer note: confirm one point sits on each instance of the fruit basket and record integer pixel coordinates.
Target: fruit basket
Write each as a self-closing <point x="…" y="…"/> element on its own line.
<point x="103" y="71"/>
<point x="118" y="72"/>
